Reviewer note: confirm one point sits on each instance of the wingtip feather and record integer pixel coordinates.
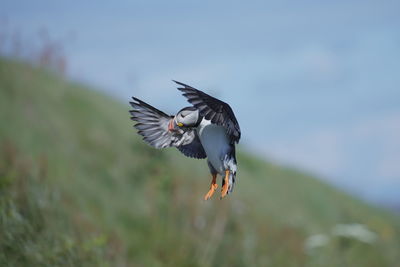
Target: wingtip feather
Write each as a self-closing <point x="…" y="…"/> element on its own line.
<point x="179" y="83"/>
<point x="184" y="88"/>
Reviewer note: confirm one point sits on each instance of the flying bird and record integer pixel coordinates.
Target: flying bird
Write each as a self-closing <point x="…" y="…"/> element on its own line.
<point x="207" y="129"/>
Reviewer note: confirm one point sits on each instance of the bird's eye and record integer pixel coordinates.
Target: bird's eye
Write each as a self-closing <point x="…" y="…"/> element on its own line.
<point x="180" y="124"/>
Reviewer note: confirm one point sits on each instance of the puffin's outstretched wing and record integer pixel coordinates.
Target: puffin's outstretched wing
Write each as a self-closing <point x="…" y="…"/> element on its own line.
<point x="152" y="124"/>
<point x="213" y="109"/>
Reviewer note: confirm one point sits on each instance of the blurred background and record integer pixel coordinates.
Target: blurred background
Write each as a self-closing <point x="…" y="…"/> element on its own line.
<point x="314" y="85"/>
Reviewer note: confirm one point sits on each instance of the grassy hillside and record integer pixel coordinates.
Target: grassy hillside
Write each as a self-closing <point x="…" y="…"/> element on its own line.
<point x="78" y="187"/>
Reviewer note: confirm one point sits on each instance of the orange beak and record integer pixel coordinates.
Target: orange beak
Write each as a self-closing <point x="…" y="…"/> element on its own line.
<point x="171" y="127"/>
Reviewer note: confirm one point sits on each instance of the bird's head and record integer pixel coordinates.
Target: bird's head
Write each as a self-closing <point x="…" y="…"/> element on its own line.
<point x="188" y="117"/>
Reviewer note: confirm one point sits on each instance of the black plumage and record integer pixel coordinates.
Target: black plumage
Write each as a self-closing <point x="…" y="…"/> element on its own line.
<point x="213" y="109"/>
<point x="194" y="149"/>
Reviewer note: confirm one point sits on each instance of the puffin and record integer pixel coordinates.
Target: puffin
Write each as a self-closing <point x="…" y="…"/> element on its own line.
<point x="206" y="129"/>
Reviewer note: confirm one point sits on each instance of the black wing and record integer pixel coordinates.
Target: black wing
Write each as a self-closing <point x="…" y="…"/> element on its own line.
<point x="213" y="109"/>
<point x="194" y="149"/>
<point x="152" y="124"/>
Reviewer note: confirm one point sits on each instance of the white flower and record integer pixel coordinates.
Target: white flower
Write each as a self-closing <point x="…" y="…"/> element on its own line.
<point x="355" y="231"/>
<point x="315" y="241"/>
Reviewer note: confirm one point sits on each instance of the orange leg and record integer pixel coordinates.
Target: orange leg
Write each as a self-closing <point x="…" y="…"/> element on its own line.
<point x="226" y="185"/>
<point x="212" y="187"/>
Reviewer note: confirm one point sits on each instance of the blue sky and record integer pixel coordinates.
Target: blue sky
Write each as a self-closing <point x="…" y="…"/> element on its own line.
<point x="314" y="84"/>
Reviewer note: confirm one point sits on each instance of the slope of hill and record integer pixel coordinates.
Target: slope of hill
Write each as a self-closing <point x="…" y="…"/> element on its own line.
<point x="79" y="187"/>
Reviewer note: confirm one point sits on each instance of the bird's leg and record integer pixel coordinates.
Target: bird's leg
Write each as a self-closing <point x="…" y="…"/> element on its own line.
<point x="213" y="186"/>
<point x="226" y="184"/>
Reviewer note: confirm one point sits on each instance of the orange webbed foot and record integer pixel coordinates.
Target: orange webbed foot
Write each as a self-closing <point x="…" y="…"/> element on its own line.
<point x="213" y="186"/>
<point x="225" y="187"/>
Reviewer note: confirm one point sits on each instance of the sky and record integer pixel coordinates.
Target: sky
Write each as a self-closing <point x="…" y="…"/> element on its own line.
<point x="314" y="84"/>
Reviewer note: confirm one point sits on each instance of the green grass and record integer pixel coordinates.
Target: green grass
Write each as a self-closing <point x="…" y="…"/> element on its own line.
<point x="80" y="188"/>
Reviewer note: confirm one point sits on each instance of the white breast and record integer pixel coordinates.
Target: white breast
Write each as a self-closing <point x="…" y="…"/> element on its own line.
<point x="215" y="143"/>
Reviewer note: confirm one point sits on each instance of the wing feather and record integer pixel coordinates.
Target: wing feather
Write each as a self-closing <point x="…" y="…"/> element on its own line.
<point x="194" y="149"/>
<point x="152" y="124"/>
<point x="213" y="109"/>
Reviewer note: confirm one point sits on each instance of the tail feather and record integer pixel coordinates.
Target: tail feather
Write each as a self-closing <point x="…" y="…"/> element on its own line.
<point x="232" y="178"/>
